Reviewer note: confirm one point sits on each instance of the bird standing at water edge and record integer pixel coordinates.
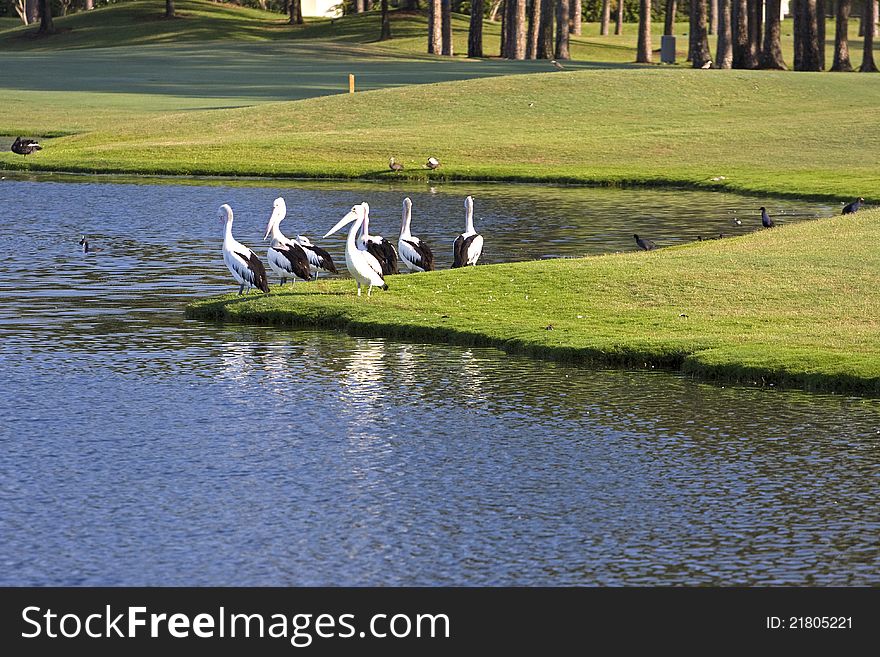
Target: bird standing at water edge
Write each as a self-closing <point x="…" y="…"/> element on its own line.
<point x="381" y="249"/>
<point x="243" y="264"/>
<point x="318" y="257"/>
<point x="645" y="245"/>
<point x="432" y="163"/>
<point x="363" y="267"/>
<point x="557" y="65"/>
<point x="855" y="206"/>
<point x="416" y="255"/>
<point x="286" y="258"/>
<point x="25" y="146"/>
<point x="468" y="246"/>
<point x="766" y="221"/>
<point x="395" y="166"/>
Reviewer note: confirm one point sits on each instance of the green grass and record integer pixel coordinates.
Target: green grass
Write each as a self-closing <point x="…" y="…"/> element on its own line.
<point x="795" y="306"/>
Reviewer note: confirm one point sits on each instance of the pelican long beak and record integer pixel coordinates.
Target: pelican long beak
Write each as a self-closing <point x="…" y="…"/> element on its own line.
<point x="347" y="219"/>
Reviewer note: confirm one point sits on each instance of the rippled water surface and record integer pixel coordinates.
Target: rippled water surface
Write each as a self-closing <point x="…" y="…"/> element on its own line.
<point x="137" y="447"/>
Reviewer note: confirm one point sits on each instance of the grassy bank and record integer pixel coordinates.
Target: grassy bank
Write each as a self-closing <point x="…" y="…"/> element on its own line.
<point x="794" y="306"/>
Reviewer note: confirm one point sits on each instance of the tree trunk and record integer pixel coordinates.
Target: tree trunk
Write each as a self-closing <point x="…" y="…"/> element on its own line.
<point x="32" y="10"/>
<point x="534" y="25"/>
<point x="562" y="7"/>
<point x="820" y="32"/>
<point x="575" y="10"/>
<point x="475" y="33"/>
<point x="618" y="27"/>
<point x="493" y="14"/>
<point x="445" y="27"/>
<point x="47" y="25"/>
<point x="864" y="16"/>
<point x="841" y="36"/>
<point x="739" y="18"/>
<point x="606" y="18"/>
<point x="724" y="51"/>
<point x="435" y="27"/>
<point x="506" y="22"/>
<point x="385" y="32"/>
<point x="669" y="23"/>
<point x="643" y="51"/>
<point x="88" y="5"/>
<point x="701" y="53"/>
<point x="295" y="9"/>
<point x="515" y="34"/>
<point x="713" y="16"/>
<point x="358" y="6"/>
<point x="169" y="8"/>
<point x="756" y="10"/>
<point x="771" y="53"/>
<point x="806" y="34"/>
<point x="545" y="30"/>
<point x="868" y="65"/>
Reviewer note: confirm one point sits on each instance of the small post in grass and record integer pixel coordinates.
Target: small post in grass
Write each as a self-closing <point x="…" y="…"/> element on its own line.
<point x="351" y="83"/>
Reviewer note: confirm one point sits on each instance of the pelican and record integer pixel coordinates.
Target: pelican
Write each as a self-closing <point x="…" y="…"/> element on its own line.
<point x="286" y="257"/>
<point x="381" y="249"/>
<point x="243" y="264"/>
<point x="416" y="255"/>
<point x="469" y="245"/>
<point x="318" y="257"/>
<point x="363" y="267"/>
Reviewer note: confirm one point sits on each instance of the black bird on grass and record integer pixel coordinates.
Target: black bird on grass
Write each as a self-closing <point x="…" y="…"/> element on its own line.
<point x="25" y="146"/>
<point x="644" y="244"/>
<point x="855" y="206"/>
<point x="766" y="221"/>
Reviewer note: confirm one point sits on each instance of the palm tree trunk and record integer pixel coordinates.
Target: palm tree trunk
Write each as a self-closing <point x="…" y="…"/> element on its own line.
<point x="713" y="16"/>
<point x="385" y="32"/>
<point x="669" y="23"/>
<point x="545" y="30"/>
<point x="618" y="27"/>
<point x="435" y="27"/>
<point x="445" y="27"/>
<point x="575" y="10"/>
<point x="295" y="12"/>
<point x="868" y="65"/>
<point x="643" y="50"/>
<point x="755" y="8"/>
<point x="47" y="25"/>
<point x="518" y="33"/>
<point x="739" y="16"/>
<point x="810" y="34"/>
<point x="475" y="33"/>
<point x="771" y="53"/>
<point x="724" y="51"/>
<point x="534" y="25"/>
<point x="606" y="18"/>
<point x="562" y="7"/>
<point x="841" y="36"/>
<point x="700" y="54"/>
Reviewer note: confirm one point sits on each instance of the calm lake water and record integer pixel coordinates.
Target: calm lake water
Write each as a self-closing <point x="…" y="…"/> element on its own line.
<point x="140" y="448"/>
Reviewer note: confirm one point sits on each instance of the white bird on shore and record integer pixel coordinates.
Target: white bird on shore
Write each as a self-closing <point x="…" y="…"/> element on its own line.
<point x="318" y="257"/>
<point x="416" y="255"/>
<point x="363" y="267"/>
<point x="382" y="249"/>
<point x="707" y="64"/>
<point x="469" y="245"/>
<point x="243" y="264"/>
<point x="286" y="257"/>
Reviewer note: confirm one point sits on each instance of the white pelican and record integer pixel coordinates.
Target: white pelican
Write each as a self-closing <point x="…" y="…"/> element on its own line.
<point x="286" y="257"/>
<point x="363" y="267"/>
<point x="318" y="257"/>
<point x="416" y="255"/>
<point x="382" y="249"/>
<point x="243" y="264"/>
<point x="468" y="246"/>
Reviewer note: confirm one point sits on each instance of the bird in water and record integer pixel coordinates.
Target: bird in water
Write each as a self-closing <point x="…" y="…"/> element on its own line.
<point x="855" y="206"/>
<point x="84" y="243"/>
<point x="432" y="163"/>
<point x="645" y="245"/>
<point x="395" y="166"/>
<point x="25" y="146"/>
<point x="243" y="264"/>
<point x="766" y="221"/>
<point x="468" y="246"/>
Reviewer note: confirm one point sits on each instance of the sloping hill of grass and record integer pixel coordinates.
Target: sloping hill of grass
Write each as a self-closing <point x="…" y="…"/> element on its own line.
<point x="793" y="306"/>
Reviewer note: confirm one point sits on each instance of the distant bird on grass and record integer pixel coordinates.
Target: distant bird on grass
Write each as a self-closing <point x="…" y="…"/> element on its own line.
<point x="395" y="166"/>
<point x="855" y="206"/>
<point x="646" y="245"/>
<point x="766" y="221"/>
<point x="557" y="64"/>
<point x="737" y="221"/>
<point x="25" y="146"/>
<point x="707" y="64"/>
<point x="432" y="163"/>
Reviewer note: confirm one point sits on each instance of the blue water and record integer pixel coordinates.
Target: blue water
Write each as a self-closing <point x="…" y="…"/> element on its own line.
<point x="137" y="447"/>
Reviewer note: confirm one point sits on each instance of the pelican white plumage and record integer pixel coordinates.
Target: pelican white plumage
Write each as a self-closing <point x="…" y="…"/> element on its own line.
<point x="286" y="257"/>
<point x="382" y="249"/>
<point x="318" y="257"/>
<point x="468" y="246"/>
<point x="363" y="267"/>
<point x="416" y="255"/>
<point x="243" y="264"/>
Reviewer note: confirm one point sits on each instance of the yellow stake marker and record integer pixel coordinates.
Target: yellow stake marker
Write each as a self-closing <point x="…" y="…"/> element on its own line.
<point x="351" y="83"/>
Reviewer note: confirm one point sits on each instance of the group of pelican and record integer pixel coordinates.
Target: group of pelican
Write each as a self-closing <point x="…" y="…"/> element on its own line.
<point x="369" y="258"/>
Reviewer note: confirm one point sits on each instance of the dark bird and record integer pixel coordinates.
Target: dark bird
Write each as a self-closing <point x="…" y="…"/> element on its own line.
<point x="766" y="221"/>
<point x="395" y="166"/>
<point x="84" y="243"/>
<point x="432" y="163"/>
<point x="557" y="64"/>
<point x="25" y="146"/>
<point x="644" y="244"/>
<point x="853" y="207"/>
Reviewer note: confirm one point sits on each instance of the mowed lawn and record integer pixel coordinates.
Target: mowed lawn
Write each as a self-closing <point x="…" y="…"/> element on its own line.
<point x="794" y="305"/>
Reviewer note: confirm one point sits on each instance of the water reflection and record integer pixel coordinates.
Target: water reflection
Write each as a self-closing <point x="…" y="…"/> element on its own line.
<point x="142" y="448"/>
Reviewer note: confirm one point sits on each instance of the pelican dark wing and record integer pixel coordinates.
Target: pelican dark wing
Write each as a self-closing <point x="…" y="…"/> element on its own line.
<point x="417" y="253"/>
<point x="385" y="253"/>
